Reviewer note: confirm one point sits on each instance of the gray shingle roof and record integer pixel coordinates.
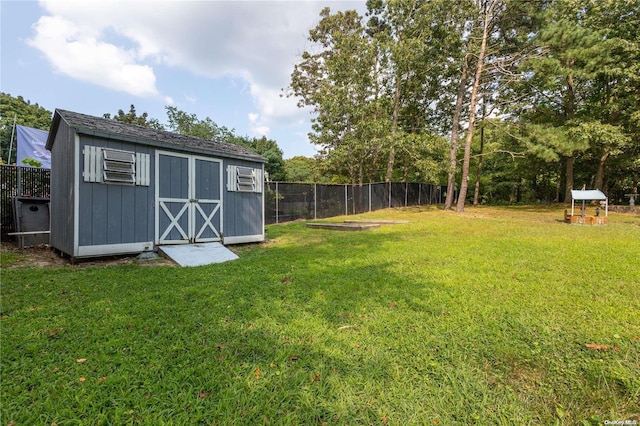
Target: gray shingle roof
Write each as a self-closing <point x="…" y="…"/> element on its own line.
<point x="87" y="124"/>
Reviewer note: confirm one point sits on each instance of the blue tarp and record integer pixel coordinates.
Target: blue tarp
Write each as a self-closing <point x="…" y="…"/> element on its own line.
<point x="31" y="144"/>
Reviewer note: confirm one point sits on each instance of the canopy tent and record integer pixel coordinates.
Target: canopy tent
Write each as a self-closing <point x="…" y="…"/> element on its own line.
<point x="588" y="195"/>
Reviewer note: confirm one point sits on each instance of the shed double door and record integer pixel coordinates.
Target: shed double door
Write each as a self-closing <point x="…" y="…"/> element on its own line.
<point x="188" y="198"/>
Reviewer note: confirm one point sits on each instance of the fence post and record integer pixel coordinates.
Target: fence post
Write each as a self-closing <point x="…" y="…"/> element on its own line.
<point x="346" y="201"/>
<point x="389" y="194"/>
<point x="276" y="202"/>
<point x="19" y="181"/>
<point x="419" y="191"/>
<point x="406" y="193"/>
<point x="369" y="196"/>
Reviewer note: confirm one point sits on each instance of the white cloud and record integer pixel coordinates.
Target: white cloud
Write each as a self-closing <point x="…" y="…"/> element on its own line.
<point x="257" y="125"/>
<point x="121" y="45"/>
<point x="86" y="58"/>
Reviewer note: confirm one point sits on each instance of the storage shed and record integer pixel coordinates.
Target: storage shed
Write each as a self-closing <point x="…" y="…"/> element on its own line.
<point x="119" y="188"/>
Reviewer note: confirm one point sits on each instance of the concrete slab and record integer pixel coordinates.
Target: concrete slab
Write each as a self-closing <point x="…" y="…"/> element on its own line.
<point x="198" y="254"/>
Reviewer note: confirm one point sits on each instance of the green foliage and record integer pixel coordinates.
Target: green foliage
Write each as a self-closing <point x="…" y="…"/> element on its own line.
<point x="189" y="124"/>
<point x="267" y="148"/>
<point x="555" y="70"/>
<point x="25" y="113"/>
<point x="584" y="84"/>
<point x="498" y="316"/>
<point x="299" y="169"/>
<point x="336" y="81"/>
<point x="369" y="90"/>
<point x="306" y="170"/>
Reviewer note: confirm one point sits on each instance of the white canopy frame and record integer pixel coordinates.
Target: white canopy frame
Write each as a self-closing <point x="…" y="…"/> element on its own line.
<point x="589" y="195"/>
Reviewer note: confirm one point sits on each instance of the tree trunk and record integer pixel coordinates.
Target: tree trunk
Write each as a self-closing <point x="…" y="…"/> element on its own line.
<point x="453" y="142"/>
<point x="558" y="185"/>
<point x="568" y="175"/>
<point x="600" y="174"/>
<point x="392" y="155"/>
<point x="394" y="125"/>
<point x="476" y="193"/>
<point x="570" y="101"/>
<point x="464" y="183"/>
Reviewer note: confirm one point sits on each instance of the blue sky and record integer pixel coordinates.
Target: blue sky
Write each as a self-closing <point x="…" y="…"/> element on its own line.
<point x="227" y="60"/>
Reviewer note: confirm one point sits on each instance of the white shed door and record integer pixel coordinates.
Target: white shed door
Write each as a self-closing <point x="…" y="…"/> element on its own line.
<point x="188" y="198"/>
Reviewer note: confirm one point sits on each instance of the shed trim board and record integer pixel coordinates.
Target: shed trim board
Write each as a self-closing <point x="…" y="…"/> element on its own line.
<point x="108" y="249"/>
<point x="76" y="197"/>
<point x="244" y="239"/>
<point x="193" y="222"/>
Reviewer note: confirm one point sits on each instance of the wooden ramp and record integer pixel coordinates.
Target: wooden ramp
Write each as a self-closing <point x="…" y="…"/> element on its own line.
<point x="344" y="226"/>
<point x="378" y="221"/>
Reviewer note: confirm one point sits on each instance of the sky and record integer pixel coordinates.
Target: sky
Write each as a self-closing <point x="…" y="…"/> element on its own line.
<point x="226" y="60"/>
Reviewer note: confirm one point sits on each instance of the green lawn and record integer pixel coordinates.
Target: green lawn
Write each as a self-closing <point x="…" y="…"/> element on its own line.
<point x="496" y="316"/>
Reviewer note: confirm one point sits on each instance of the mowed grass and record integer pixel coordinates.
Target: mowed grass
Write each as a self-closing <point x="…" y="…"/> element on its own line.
<point x="496" y="316"/>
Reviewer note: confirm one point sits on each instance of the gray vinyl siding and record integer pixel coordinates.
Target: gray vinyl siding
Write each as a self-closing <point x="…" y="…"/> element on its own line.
<point x="243" y="214"/>
<point x="62" y="190"/>
<point x="113" y="213"/>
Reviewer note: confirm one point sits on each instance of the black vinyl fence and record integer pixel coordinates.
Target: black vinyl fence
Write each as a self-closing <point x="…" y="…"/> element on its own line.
<point x="20" y="181"/>
<point x="286" y="201"/>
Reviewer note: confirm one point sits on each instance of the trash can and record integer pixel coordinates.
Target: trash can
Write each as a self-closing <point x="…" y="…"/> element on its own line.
<point x="31" y="214"/>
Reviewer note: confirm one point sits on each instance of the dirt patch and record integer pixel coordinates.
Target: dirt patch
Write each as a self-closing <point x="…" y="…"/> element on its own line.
<point x="44" y="256"/>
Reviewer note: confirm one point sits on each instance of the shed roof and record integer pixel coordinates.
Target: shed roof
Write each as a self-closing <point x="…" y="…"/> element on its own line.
<point x="103" y="127"/>
<point x="589" y="194"/>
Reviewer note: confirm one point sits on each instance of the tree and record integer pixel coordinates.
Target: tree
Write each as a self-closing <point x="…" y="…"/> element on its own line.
<point x="267" y="148"/>
<point x="604" y="141"/>
<point x="455" y="129"/>
<point x="132" y="118"/>
<point x="25" y="114"/>
<point x="299" y="169"/>
<point x="189" y="124"/>
<point x="372" y="88"/>
<point x="341" y="82"/>
<point x="588" y="79"/>
<point x="502" y="30"/>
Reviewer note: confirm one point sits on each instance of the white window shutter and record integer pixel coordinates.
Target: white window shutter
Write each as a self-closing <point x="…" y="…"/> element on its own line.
<point x="231" y="178"/>
<point x="258" y="179"/>
<point x="92" y="164"/>
<point x="143" y="176"/>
